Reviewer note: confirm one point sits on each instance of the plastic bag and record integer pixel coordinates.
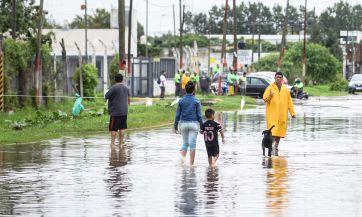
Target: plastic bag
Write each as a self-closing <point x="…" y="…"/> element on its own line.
<point x="77" y="107"/>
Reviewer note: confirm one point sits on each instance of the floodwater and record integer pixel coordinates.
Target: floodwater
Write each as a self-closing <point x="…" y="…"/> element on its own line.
<point x="317" y="172"/>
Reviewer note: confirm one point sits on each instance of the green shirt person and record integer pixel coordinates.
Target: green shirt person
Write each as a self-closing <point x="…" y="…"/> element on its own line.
<point x="177" y="77"/>
<point x="178" y="83"/>
<point x="216" y="69"/>
<point x="230" y="78"/>
<point x="193" y="78"/>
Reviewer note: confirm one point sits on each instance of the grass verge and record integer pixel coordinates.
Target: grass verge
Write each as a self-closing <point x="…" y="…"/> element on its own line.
<point x="323" y="90"/>
<point x="140" y="116"/>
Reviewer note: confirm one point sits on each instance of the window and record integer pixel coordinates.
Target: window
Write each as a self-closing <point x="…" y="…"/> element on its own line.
<point x="256" y="81"/>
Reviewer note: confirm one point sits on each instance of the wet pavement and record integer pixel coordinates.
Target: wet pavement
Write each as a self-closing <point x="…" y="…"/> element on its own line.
<point x="317" y="172"/>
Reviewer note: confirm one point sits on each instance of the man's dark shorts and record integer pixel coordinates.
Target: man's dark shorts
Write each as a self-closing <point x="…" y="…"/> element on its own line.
<point x="212" y="151"/>
<point x="118" y="123"/>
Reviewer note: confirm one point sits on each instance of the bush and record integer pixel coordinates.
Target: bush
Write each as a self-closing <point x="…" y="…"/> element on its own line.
<point x="90" y="79"/>
<point x="339" y="85"/>
<point x="322" y="66"/>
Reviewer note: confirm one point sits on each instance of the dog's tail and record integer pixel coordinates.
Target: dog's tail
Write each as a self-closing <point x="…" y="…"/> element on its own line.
<point x="271" y="128"/>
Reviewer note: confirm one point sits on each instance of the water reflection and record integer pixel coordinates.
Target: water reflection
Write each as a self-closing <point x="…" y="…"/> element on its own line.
<point x="211" y="189"/>
<point x="187" y="201"/>
<point x="117" y="179"/>
<point x="277" y="189"/>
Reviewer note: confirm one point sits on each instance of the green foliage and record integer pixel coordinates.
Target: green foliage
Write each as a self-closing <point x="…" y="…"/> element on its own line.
<point x="26" y="19"/>
<point x="339" y="85"/>
<point x="322" y="67"/>
<point x="90" y="79"/>
<point x="113" y="69"/>
<point x="201" y="40"/>
<point x="269" y="63"/>
<point x="100" y="19"/>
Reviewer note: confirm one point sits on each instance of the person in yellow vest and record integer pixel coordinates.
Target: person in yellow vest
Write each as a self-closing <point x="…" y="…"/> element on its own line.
<point x="185" y="78"/>
<point x="230" y="80"/>
<point x="278" y="103"/>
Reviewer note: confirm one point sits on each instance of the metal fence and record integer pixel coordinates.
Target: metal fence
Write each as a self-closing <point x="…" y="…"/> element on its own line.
<point x="168" y="64"/>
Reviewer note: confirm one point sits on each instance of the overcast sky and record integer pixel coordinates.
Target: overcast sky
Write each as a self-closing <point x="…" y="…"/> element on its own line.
<point x="160" y="11"/>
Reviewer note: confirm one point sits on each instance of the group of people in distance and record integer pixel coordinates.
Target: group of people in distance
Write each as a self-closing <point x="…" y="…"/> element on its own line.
<point x="188" y="118"/>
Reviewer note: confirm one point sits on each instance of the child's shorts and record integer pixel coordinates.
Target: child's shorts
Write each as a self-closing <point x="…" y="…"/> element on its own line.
<point x="212" y="151"/>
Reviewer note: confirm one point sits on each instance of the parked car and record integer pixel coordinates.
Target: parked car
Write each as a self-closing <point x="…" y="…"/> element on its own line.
<point x="271" y="75"/>
<point x="256" y="84"/>
<point x="355" y="84"/>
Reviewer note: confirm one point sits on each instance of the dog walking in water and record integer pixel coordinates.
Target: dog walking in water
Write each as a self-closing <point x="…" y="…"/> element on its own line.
<point x="267" y="141"/>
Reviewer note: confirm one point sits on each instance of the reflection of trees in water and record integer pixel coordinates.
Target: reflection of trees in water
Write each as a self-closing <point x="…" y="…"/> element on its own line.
<point x="277" y="189"/>
<point x="211" y="187"/>
<point x="117" y="180"/>
<point x="186" y="201"/>
<point x="23" y="190"/>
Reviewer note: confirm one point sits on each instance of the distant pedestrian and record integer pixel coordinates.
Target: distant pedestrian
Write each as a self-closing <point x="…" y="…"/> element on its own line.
<point x="118" y="97"/>
<point x="278" y="103"/>
<point x="204" y="83"/>
<point x="230" y="81"/>
<point x="185" y="78"/>
<point x="177" y="83"/>
<point x="162" y="84"/>
<point x="188" y="114"/>
<point x="211" y="129"/>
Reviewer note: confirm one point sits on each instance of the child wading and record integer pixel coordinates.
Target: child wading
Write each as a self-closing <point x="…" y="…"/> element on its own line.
<point x="210" y="129"/>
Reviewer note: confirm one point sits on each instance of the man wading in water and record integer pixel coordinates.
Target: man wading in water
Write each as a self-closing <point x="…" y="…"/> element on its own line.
<point x="278" y="103"/>
<point x="118" y="100"/>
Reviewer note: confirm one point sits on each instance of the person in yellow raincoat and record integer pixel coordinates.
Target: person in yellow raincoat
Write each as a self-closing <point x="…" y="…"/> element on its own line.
<point x="278" y="103"/>
<point x="185" y="78"/>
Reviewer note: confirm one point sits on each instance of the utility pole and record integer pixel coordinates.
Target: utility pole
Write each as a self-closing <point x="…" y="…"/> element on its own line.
<point x="182" y="11"/>
<point x="174" y="25"/>
<point x="80" y="69"/>
<point x="13" y="33"/>
<point x="305" y="42"/>
<point x="209" y="48"/>
<point x="64" y="60"/>
<point x="86" y="30"/>
<point x="235" y="56"/>
<point x="37" y="67"/>
<point x="129" y="35"/>
<point x="283" y="44"/>
<point x="353" y="45"/>
<point x="259" y="32"/>
<point x="2" y="74"/>
<point x="105" y="68"/>
<point x="223" y="48"/>
<point x="259" y="38"/>
<point x="146" y="28"/>
<point x="121" y="30"/>
<point x="252" y="45"/>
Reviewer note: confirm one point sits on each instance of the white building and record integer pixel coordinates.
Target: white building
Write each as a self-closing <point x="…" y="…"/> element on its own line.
<point x="101" y="42"/>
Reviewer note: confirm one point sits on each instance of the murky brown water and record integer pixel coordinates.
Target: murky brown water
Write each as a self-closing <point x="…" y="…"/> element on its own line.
<point x="318" y="172"/>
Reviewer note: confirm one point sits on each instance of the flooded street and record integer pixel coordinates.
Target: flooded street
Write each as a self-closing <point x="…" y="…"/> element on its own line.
<point x="317" y="172"/>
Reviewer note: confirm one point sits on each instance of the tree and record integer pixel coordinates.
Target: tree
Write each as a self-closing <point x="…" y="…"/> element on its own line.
<point x="90" y="79"/>
<point x="100" y="19"/>
<point x="140" y="30"/>
<point x="26" y="17"/>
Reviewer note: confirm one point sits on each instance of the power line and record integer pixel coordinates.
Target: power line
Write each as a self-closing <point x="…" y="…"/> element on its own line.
<point x="161" y="6"/>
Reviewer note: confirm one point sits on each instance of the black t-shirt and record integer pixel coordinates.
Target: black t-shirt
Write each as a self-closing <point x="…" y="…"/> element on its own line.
<point x="204" y="81"/>
<point x="211" y="129"/>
